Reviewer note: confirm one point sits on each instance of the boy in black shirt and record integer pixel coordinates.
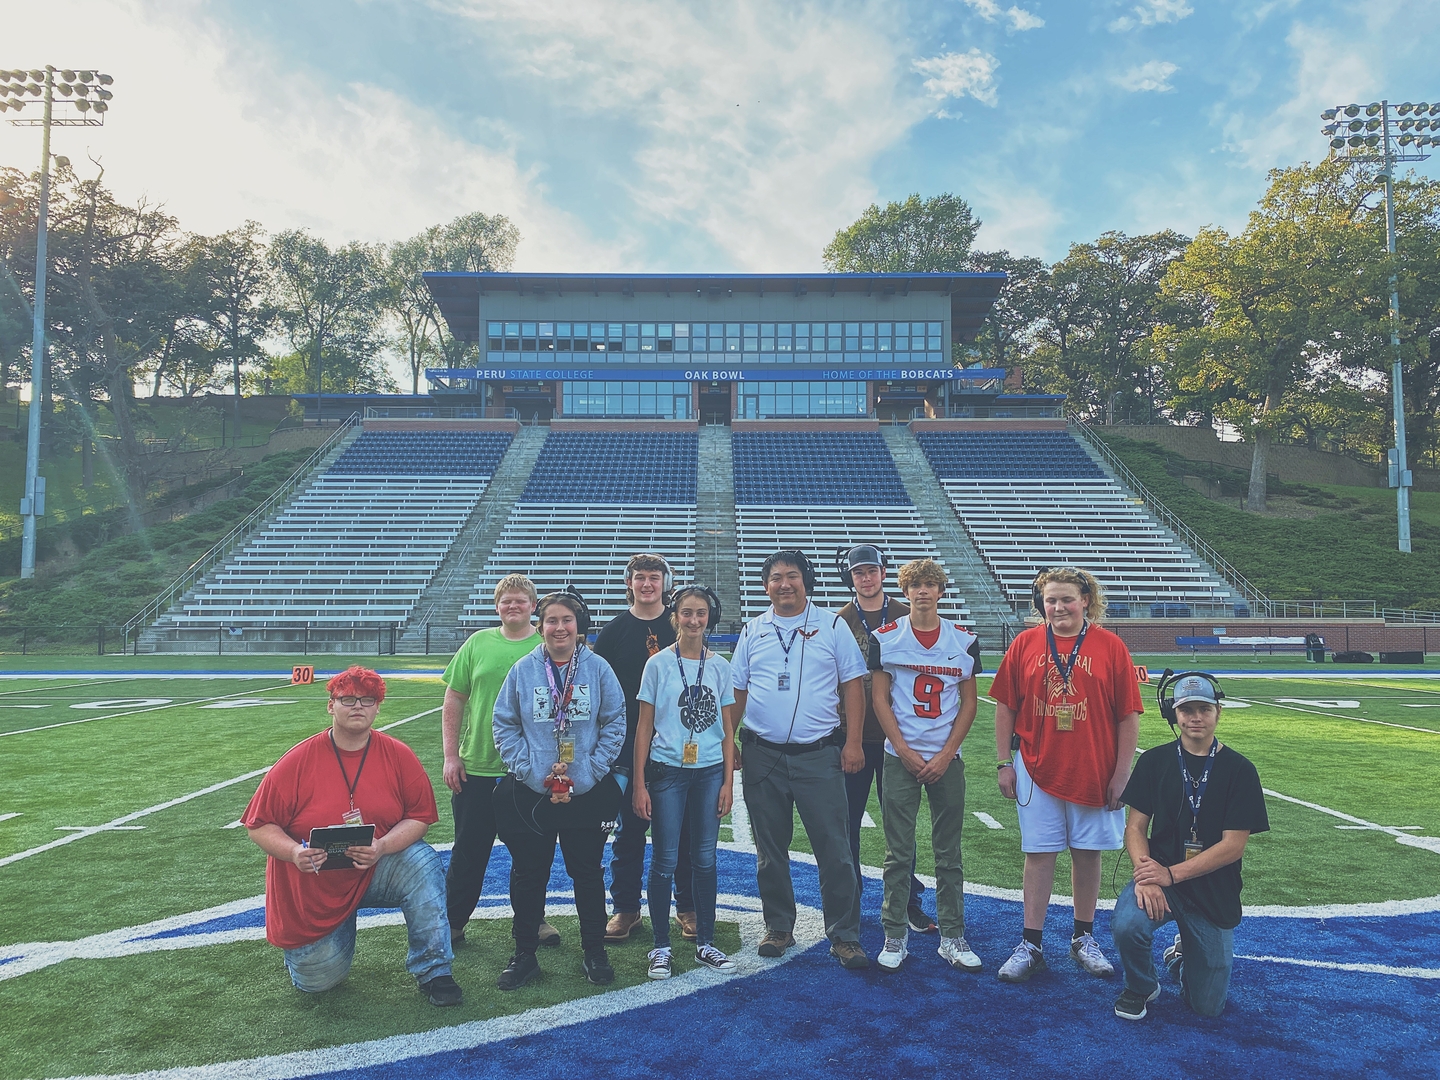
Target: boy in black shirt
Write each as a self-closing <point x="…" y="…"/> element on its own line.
<point x="1203" y="801"/>
<point x="626" y="644"/>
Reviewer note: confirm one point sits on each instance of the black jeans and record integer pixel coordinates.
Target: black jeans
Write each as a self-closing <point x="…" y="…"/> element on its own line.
<point x="473" y="807"/>
<point x="627" y="863"/>
<point x="529" y="824"/>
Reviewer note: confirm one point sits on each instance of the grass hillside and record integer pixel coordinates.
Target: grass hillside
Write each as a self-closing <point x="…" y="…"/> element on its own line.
<point x="1314" y="542"/>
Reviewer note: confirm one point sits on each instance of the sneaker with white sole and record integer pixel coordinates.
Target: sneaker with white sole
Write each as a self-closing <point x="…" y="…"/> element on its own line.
<point x="955" y="952"/>
<point x="1131" y="1006"/>
<point x="1085" y="951"/>
<point x="893" y="954"/>
<point x="1024" y="962"/>
<point x="1171" y="957"/>
<point x="713" y="958"/>
<point x="659" y="963"/>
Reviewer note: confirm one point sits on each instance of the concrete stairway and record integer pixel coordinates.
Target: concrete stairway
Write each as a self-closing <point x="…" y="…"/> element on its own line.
<point x="972" y="579"/>
<point x="442" y="602"/>
<point x="716" y="564"/>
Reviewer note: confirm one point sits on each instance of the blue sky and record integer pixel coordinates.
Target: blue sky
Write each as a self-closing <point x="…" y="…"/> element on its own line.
<point x="654" y="136"/>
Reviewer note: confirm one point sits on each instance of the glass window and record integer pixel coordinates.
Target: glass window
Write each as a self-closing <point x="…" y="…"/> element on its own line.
<point x="902" y="342"/>
<point x="562" y="329"/>
<point x="512" y="329"/>
<point x="681" y="330"/>
<point x="933" y="329"/>
<point x="527" y="329"/>
<point x="647" y="329"/>
<point x="496" y="329"/>
<point x="562" y="344"/>
<point x="767" y="344"/>
<point x="836" y="329"/>
<point x="867" y="344"/>
<point x="512" y="344"/>
<point x="752" y="329"/>
<point x="867" y="328"/>
<point x="732" y="345"/>
<point x="852" y="329"/>
<point x="632" y="329"/>
<point x="547" y="329"/>
<point x="717" y="330"/>
<point x="732" y="329"/>
<point x="785" y="329"/>
<point x="495" y="344"/>
<point x="752" y="344"/>
<point x="632" y="344"/>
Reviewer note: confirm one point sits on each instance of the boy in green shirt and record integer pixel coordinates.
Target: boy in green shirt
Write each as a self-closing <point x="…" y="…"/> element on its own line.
<point x="472" y="764"/>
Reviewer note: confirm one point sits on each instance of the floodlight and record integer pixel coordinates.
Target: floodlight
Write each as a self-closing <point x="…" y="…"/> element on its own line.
<point x="4" y="106"/>
<point x="104" y="80"/>
<point x="35" y="89"/>
<point x="1372" y="140"/>
<point x="1356" y="125"/>
<point x="1405" y="140"/>
<point x="82" y="104"/>
<point x="65" y="88"/>
<point x="1435" y="109"/>
<point x="100" y="106"/>
<point x="106" y="95"/>
<point x="37" y="76"/>
<point x="87" y="76"/>
<point x="1356" y="140"/>
<point x="82" y="90"/>
<point x="1420" y="107"/>
<point x="61" y="161"/>
<point x="1373" y="109"/>
<point x="1404" y="107"/>
<point x="1372" y="125"/>
<point x="1337" y="144"/>
<point x="68" y="75"/>
<point x="1329" y="129"/>
<point x="1328" y="114"/>
<point x="1352" y="110"/>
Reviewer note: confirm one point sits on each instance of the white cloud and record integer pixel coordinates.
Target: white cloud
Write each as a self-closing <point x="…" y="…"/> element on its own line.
<point x="1153" y="75"/>
<point x="1152" y="13"/>
<point x="1017" y="17"/>
<point x="960" y="74"/>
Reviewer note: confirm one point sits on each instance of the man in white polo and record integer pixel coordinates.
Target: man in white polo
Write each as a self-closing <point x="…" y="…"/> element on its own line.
<point x="790" y="667"/>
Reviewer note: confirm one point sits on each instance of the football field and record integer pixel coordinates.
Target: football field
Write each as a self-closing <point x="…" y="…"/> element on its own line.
<point x="132" y="932"/>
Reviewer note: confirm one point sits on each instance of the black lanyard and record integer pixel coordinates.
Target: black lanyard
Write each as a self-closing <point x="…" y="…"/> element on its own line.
<point x="884" y="616"/>
<point x="692" y="693"/>
<point x="1068" y="666"/>
<point x="346" y="775"/>
<point x="1195" y="789"/>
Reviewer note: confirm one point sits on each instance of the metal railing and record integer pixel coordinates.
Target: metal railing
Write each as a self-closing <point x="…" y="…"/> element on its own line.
<point x="201" y="566"/>
<point x="1259" y="602"/>
<point x="441" y="412"/>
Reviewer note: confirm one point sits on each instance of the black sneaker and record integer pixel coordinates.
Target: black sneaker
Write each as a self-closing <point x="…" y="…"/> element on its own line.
<point x="597" y="966"/>
<point x="442" y="991"/>
<point x="522" y="968"/>
<point x="1131" y="1006"/>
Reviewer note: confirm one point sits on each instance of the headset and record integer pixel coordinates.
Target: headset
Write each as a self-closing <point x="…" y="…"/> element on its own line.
<point x="711" y="598"/>
<point x="847" y="558"/>
<point x="582" y="617"/>
<point x="667" y="583"/>
<point x="1165" y="695"/>
<point x="797" y="558"/>
<point x="1037" y="597"/>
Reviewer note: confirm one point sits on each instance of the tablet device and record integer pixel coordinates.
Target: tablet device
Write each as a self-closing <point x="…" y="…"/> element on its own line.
<point x="334" y="839"/>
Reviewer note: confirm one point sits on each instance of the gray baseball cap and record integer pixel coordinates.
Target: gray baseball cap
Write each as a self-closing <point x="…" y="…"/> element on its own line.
<point x="1194" y="688"/>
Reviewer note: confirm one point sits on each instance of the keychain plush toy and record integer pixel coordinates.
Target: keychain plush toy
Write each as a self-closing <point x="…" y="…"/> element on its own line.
<point x="558" y="784"/>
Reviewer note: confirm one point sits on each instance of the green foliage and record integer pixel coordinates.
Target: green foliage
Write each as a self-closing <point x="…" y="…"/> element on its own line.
<point x="920" y="235"/>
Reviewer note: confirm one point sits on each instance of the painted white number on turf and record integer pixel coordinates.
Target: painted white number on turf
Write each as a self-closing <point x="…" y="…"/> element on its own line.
<point x="1322" y="703"/>
<point x="123" y="703"/>
<point x="248" y="703"/>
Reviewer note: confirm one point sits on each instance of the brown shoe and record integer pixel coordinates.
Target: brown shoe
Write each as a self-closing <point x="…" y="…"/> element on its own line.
<point x="548" y="935"/>
<point x="776" y="942"/>
<point x="850" y="955"/>
<point x="688" y="928"/>
<point x="621" y="925"/>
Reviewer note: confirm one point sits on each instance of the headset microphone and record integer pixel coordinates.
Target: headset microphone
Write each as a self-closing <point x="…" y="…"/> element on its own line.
<point x="1165" y="695"/>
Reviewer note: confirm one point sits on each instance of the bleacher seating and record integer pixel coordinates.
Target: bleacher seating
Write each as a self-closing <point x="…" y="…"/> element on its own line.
<point x="1030" y="506"/>
<point x="360" y="544"/>
<point x="816" y="491"/>
<point x="594" y="499"/>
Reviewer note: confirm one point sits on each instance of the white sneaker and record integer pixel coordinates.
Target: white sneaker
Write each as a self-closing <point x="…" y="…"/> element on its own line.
<point x="713" y="958"/>
<point x="1171" y="958"/>
<point x="1086" y="952"/>
<point x="893" y="954"/>
<point x="955" y="952"/>
<point x="1024" y="962"/>
<point x="659" y="964"/>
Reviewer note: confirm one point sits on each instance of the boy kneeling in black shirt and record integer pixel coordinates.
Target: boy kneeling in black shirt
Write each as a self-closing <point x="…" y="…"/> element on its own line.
<point x="1204" y="800"/>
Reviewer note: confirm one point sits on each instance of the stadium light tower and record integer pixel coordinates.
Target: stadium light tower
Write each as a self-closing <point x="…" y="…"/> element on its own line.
<point x="1384" y="135"/>
<point x="88" y="94"/>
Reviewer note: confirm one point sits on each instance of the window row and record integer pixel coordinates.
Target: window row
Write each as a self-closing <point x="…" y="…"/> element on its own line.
<point x="762" y="401"/>
<point x="714" y="337"/>
<point x="663" y="400"/>
<point x="510" y="359"/>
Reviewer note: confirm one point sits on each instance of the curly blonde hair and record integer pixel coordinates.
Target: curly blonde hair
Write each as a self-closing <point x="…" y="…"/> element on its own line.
<point x="1090" y="589"/>
<point x="918" y="571"/>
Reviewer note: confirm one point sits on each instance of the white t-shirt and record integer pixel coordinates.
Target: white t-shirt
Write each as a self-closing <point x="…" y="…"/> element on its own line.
<point x="795" y="697"/>
<point x="924" y="683"/>
<point x="675" y="720"/>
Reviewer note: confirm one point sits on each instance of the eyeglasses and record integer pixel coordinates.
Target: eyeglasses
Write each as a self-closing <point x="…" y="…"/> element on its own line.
<point x="350" y="700"/>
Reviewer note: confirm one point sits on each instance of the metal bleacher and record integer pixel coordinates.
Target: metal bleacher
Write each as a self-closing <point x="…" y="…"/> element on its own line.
<point x="1031" y="499"/>
<point x="594" y="499"/>
<point x="816" y="491"/>
<point x="360" y="544"/>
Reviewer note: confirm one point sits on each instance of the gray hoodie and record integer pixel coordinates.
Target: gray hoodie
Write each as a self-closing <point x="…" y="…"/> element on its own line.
<point x="525" y="729"/>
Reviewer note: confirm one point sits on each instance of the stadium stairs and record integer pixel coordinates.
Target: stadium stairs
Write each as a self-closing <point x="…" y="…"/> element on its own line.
<point x="995" y="624"/>
<point x="715" y="561"/>
<point x="434" y="625"/>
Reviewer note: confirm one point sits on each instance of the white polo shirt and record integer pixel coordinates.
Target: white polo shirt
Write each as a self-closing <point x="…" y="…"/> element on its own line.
<point x="795" y="698"/>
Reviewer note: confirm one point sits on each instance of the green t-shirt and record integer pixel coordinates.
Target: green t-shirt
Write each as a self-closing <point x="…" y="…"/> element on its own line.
<point x="477" y="671"/>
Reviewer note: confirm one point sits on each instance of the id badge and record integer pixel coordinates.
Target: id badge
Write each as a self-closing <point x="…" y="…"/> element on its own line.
<point x="353" y="816"/>
<point x="566" y="748"/>
<point x="690" y="753"/>
<point x="1064" y="717"/>
<point x="1193" y="848"/>
<point x="782" y="681"/>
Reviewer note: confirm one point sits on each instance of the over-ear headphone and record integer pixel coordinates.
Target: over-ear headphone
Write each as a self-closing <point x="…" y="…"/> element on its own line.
<point x="582" y="617"/>
<point x="711" y="598"/>
<point x="1037" y="597"/>
<point x="1165" y="694"/>
<point x="798" y="558"/>
<point x="847" y="558"/>
<point x="667" y="583"/>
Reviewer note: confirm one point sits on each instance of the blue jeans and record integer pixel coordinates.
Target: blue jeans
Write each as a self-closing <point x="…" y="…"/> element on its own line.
<point x="679" y="797"/>
<point x="412" y="880"/>
<point x="1209" y="952"/>
<point x="857" y="792"/>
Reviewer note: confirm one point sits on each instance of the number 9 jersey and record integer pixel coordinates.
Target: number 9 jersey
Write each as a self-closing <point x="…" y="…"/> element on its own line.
<point x="926" y="669"/>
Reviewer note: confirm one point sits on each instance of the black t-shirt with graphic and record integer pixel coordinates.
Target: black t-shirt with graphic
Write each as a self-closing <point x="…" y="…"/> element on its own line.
<point x="1233" y="801"/>
<point x="626" y="644"/>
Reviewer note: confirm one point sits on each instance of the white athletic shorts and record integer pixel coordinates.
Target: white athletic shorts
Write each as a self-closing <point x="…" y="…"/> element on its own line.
<point x="1051" y="824"/>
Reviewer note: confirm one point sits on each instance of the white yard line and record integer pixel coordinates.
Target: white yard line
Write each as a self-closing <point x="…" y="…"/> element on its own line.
<point x="743" y="840"/>
<point x="986" y="820"/>
<point x="1342" y="716"/>
<point x="1367" y="969"/>
<point x="110" y="825"/>
<point x="407" y="719"/>
<point x="7" y="817"/>
<point x="1427" y="843"/>
<point x="133" y="712"/>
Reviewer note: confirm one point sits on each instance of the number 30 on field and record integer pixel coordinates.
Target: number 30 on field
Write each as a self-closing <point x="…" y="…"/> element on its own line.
<point x="302" y="675"/>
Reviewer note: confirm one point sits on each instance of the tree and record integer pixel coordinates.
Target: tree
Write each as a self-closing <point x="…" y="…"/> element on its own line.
<point x="330" y="304"/>
<point x="233" y="275"/>
<point x="1009" y="329"/>
<point x="919" y="235"/>
<point x="1291" y="299"/>
<point x="473" y="243"/>
<point x="409" y="300"/>
<point x="1417" y="266"/>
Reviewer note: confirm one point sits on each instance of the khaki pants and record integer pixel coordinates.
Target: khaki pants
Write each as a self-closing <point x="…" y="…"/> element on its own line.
<point x="900" y="806"/>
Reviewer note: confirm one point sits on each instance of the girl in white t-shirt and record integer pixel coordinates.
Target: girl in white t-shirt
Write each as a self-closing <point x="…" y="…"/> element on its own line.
<point x="684" y="769"/>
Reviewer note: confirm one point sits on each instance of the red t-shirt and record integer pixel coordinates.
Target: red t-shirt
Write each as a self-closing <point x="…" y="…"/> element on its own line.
<point x="305" y="791"/>
<point x="1072" y="765"/>
<point x="927" y="638"/>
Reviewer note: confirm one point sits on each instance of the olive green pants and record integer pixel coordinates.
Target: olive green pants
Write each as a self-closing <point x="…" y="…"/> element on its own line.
<point x="900" y="806"/>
